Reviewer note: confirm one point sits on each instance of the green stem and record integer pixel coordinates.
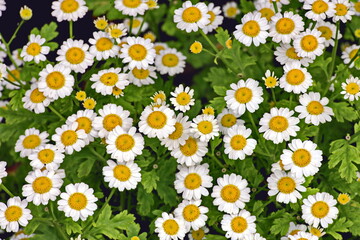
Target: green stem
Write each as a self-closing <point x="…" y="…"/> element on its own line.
<point x="16" y="31"/>
<point x="209" y="52"/>
<point x="122" y="200"/>
<point x="353" y="137"/>
<point x="56" y="112"/>
<point x="8" y="51"/>
<point x="142" y="23"/>
<point x="290" y="100"/>
<point x="131" y="24"/>
<point x="216" y="160"/>
<point x="7" y="80"/>
<point x="97" y="154"/>
<point x="55" y="222"/>
<point x="275" y="7"/>
<point x="352" y="60"/>
<point x="273" y="94"/>
<point x="7" y="190"/>
<point x="71" y="29"/>
<point x="257" y="132"/>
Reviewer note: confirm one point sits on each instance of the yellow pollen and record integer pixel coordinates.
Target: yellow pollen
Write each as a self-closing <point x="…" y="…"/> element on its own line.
<point x="69" y="137"/>
<point x="111" y="121"/>
<point x="84" y="123"/>
<point x="294" y="232"/>
<point x="122" y="173"/>
<point x="238" y="142"/>
<point x="159" y="48"/>
<point x="140" y="73"/>
<point x="191" y="15"/>
<point x="343" y="198"/>
<point x="230" y="193"/>
<point x="352" y="88"/>
<point x="228" y="120"/>
<point x="319" y="6"/>
<point x="77" y="201"/>
<point x="31" y="141"/>
<point x="357" y="6"/>
<point x="198" y="235"/>
<point x="104" y="44"/>
<point x="89" y="103"/>
<point x="295" y="77"/>
<point x="170" y="60"/>
<point x="55" y="80"/>
<point x="26" y="13"/>
<point x="135" y="238"/>
<point x="251" y="28"/>
<point x="270" y="82"/>
<point x="325" y="32"/>
<point x="189" y="148"/>
<point x="46" y="156"/>
<point x="208" y="111"/>
<point x="267" y="13"/>
<point x="13" y="213"/>
<point x="75" y="55"/>
<point x="278" y="124"/>
<point x="315" y="108"/>
<point x="285" y="26"/>
<point x="228" y="43"/>
<point x="42" y="185"/>
<point x="290" y="53"/>
<point x="171" y="227"/>
<point x="286" y="185"/>
<point x="183" y="98"/>
<point x="33" y="49"/>
<point x="150" y="35"/>
<point x="205" y="127"/>
<point x="196" y="47"/>
<point x="117" y="91"/>
<point x="243" y="95"/>
<point x="301" y="157"/>
<point x="36" y="96"/>
<point x="131" y="3"/>
<point x="341" y="9"/>
<point x="309" y="43"/>
<point x="191" y="212"/>
<point x="320" y="209"/>
<point x="69" y="6"/>
<point x="192" y="181"/>
<point x="239" y="224"/>
<point x="137" y="52"/>
<point x="81" y="95"/>
<point x="178" y="131"/>
<point x="125" y="142"/>
<point x="156" y="120"/>
<point x="109" y="79"/>
<point x="101" y="23"/>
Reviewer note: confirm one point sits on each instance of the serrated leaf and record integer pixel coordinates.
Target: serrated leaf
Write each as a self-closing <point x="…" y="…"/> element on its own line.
<point x="281" y="225"/>
<point x="339" y="225"/>
<point x="145" y="201"/>
<point x="48" y="31"/>
<point x="220" y="90"/>
<point x="222" y="36"/>
<point x="32" y="226"/>
<point x="72" y="227"/>
<point x="149" y="180"/>
<point x="220" y="77"/>
<point x="218" y="104"/>
<point x="343" y="111"/>
<point x="85" y="167"/>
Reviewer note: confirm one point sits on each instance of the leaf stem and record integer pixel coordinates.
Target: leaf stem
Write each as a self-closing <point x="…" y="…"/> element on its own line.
<point x="16" y="31"/>
<point x="216" y="160"/>
<point x="131" y="24"/>
<point x="97" y="154"/>
<point x="7" y="80"/>
<point x="71" y="29"/>
<point x="7" y="190"/>
<point x="8" y="51"/>
<point x="56" y="112"/>
<point x="257" y="132"/>
<point x="273" y="95"/>
<point x="55" y="222"/>
<point x="275" y="7"/>
<point x="142" y="23"/>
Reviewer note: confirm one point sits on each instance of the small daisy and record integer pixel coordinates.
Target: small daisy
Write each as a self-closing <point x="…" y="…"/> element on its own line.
<point x="157" y="122"/>
<point x="111" y="116"/>
<point x="231" y="193"/>
<point x="319" y="209"/>
<point x="182" y="98"/>
<point x="16" y="56"/>
<point x="78" y="201"/>
<point x="351" y="88"/>
<point x="231" y="10"/>
<point x="238" y="225"/>
<point x="70" y="138"/>
<point x="215" y="18"/>
<point x="180" y="135"/>
<point x="48" y="156"/>
<point x="190" y="153"/>
<point x="303" y="236"/>
<point x="105" y="80"/>
<point x="193" y="181"/>
<point x="265" y="8"/>
<point x="34" y="100"/>
<point x="192" y="213"/>
<point x="159" y="47"/>
<point x="313" y="108"/>
<point x="293" y="230"/>
<point x="254" y="29"/>
<point x="3" y="172"/>
<point x="131" y="7"/>
<point x="138" y="52"/>
<point x="116" y="31"/>
<point x="227" y="119"/>
<point x="150" y="35"/>
<point x="32" y="139"/>
<point x="309" y="43"/>
<point x="245" y="95"/>
<point x="25" y="13"/>
<point x="319" y="9"/>
<point x="124" y="145"/>
<point x="296" y="79"/>
<point x="208" y="111"/>
<point x="284" y="27"/>
<point x="303" y="159"/>
<point x="349" y="53"/>
<point x="12" y="74"/>
<point x="285" y="53"/>
<point x="237" y="142"/>
<point x="319" y="232"/>
<point x="13" y="214"/>
<point x="159" y="96"/>
<point x="117" y="92"/>
<point x="199" y="234"/>
<point x="196" y="47"/>
<point x="137" y="22"/>
<point x="169" y="227"/>
<point x="343" y="11"/>
<point x="123" y="176"/>
<point x="279" y="125"/>
<point x="101" y="23"/>
<point x="192" y="17"/>
<point x="343" y="198"/>
<point x="270" y="79"/>
<point x="69" y="10"/>
<point x="85" y="119"/>
<point x="255" y="236"/>
<point x="89" y="103"/>
<point x="103" y="46"/>
<point x="328" y="31"/>
<point x="34" y="50"/>
<point x="140" y="77"/>
<point x="205" y="127"/>
<point x="170" y="61"/>
<point x="42" y="186"/>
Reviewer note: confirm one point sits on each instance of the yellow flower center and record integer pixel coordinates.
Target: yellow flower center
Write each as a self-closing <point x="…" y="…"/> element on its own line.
<point x="101" y="24"/>
<point x="33" y="49"/>
<point x="191" y="212"/>
<point x="191" y="15"/>
<point x="341" y="9"/>
<point x="25" y="13"/>
<point x="171" y="227"/>
<point x="294" y="232"/>
<point x="125" y="142"/>
<point x="151" y="4"/>
<point x="295" y="77"/>
<point x="135" y="238"/>
<point x="198" y="235"/>
<point x="319" y="6"/>
<point x="84" y="123"/>
<point x="132" y="3"/>
<point x="270" y="82"/>
<point x="13" y="213"/>
<point x="192" y="181"/>
<point x="159" y="96"/>
<point x="196" y="47"/>
<point x="69" y="137"/>
<point x="170" y="60"/>
<point x="251" y="28"/>
<point x="357" y="6"/>
<point x="178" y="131"/>
<point x="239" y="224"/>
<point x="205" y="127"/>
<point x="122" y="173"/>
<point x="325" y="32"/>
<point x="309" y="43"/>
<point x="104" y="44"/>
<point x="77" y="201"/>
<point x="46" y="156"/>
<point x="109" y="79"/>
<point x="230" y="193"/>
<point x="285" y="26"/>
<point x="286" y="185"/>
<point x="42" y="185"/>
<point x="243" y="95"/>
<point x="278" y="124"/>
<point x="111" y="121"/>
<point x="136" y="23"/>
<point x="81" y="95"/>
<point x="141" y="73"/>
<point x="31" y="141"/>
<point x="343" y="198"/>
<point x="212" y="16"/>
<point x="238" y="142"/>
<point x="69" y="6"/>
<point x="352" y="88"/>
<point x="190" y="147"/>
<point x="228" y="120"/>
<point x="75" y="55"/>
<point x="159" y="48"/>
<point x="36" y="96"/>
<point x="320" y="209"/>
<point x="267" y="13"/>
<point x="208" y="111"/>
<point x="315" y="108"/>
<point x="15" y="73"/>
<point x="137" y="52"/>
<point x="116" y="91"/>
<point x="353" y="53"/>
<point x="290" y="53"/>
<point x="301" y="157"/>
<point x="315" y="232"/>
<point x="231" y="12"/>
<point x="183" y="98"/>
<point x="55" y="80"/>
<point x="150" y="35"/>
<point x="89" y="103"/>
<point x="156" y="119"/>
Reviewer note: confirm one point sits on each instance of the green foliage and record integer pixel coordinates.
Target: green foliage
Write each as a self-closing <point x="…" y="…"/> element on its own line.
<point x="343" y="111"/>
<point x="149" y="180"/>
<point x="281" y="224"/>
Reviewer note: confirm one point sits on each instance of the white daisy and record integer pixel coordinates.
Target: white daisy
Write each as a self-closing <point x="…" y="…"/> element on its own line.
<point x="2" y="6"/>
<point x="279" y="125"/>
<point x="141" y="77"/>
<point x="205" y="127"/>
<point x="215" y="18"/>
<point x="103" y="46"/>
<point x="3" y="172"/>
<point x="159" y="46"/>
<point x="193" y="181"/>
<point x="328" y="31"/>
<point x="182" y="98"/>
<point x="255" y="236"/>
<point x="105" y="80"/>
<point x="138" y="52"/>
<point x="85" y="119"/>
<point x="303" y="236"/>
<point x="170" y="61"/>
<point x="319" y="209"/>
<point x="124" y="145"/>
<point x="349" y="53"/>
<point x="293" y="230"/>
<point x="125" y="175"/>
<point x="42" y="186"/>
<point x="3" y="71"/>
<point x="78" y="202"/>
<point x="231" y="10"/>
<point x="351" y="88"/>
<point x="237" y="142"/>
<point x="34" y="50"/>
<point x="343" y="11"/>
<point x="199" y="234"/>
<point x="231" y="193"/>
<point x="169" y="227"/>
<point x="227" y="119"/>
<point x="266" y="9"/>
<point x="137" y="22"/>
<point x="48" y="156"/>
<point x="296" y="79"/>
<point x="319" y="232"/>
<point x="116" y="31"/>
<point x="303" y="159"/>
<point x="245" y="95"/>
<point x="16" y="56"/>
<point x="32" y="139"/>
<point x="180" y="135"/>
<point x="284" y="27"/>
<point x="190" y="153"/>
<point x="20" y="235"/>
<point x="192" y="17"/>
<point x="69" y="10"/>
<point x="192" y="213"/>
<point x="309" y="43"/>
<point x="254" y="29"/>
<point x="319" y="9"/>
<point x="131" y="7"/>
<point x="356" y="8"/>
<point x="70" y="138"/>
<point x="34" y="100"/>
<point x="13" y="75"/>
<point x="13" y="214"/>
<point x="238" y="225"/>
<point x="313" y="108"/>
<point x="285" y="53"/>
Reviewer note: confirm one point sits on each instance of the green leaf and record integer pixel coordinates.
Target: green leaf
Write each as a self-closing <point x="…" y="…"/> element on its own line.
<point x="218" y="104"/>
<point x="48" y="31"/>
<point x="85" y="167"/>
<point x="214" y="237"/>
<point x="246" y="6"/>
<point x="343" y="112"/>
<point x="281" y="225"/>
<point x="220" y="77"/>
<point x="222" y="36"/>
<point x="32" y="226"/>
<point x="149" y="180"/>
<point x="258" y="208"/>
<point x="339" y="225"/>
<point x="145" y="201"/>
<point x="72" y="227"/>
<point x="220" y="90"/>
<point x="52" y="45"/>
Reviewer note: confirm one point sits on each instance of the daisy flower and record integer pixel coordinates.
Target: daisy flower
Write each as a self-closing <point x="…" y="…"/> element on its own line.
<point x="169" y="227"/>
<point x="343" y="11"/>
<point x="313" y="108"/>
<point x="12" y="74"/>
<point x="34" y="49"/>
<point x="32" y="139"/>
<point x="356" y="8"/>
<point x="13" y="214"/>
<point x="78" y="201"/>
<point x="231" y="193"/>
<point x="284" y="27"/>
<point x="190" y="153"/>
<point x="238" y="225"/>
<point x="182" y="98"/>
<point x="303" y="236"/>
<point x="328" y="31"/>
<point x="159" y="96"/>
<point x="245" y="95"/>
<point x="16" y="56"/>
<point x="140" y="77"/>
<point x="124" y="145"/>
<point x="138" y="52"/>
<point x="192" y="17"/>
<point x="270" y="79"/>
<point x="85" y="119"/>
<point x="215" y="18"/>
<point x="296" y="79"/>
<point x="227" y="119"/>
<point x="103" y="46"/>
<point x="278" y="166"/>
<point x="255" y="236"/>
<point x="101" y="23"/>
<point x="319" y="232"/>
<point x="131" y="7"/>
<point x="56" y="81"/>
<point x="157" y="122"/>
<point x="20" y="235"/>
<point x="279" y="125"/>
<point x="318" y="10"/>
<point x="349" y="53"/>
<point x="199" y="234"/>
<point x="159" y="47"/>
<point x="170" y="61"/>
<point x="343" y="198"/>
<point x="3" y="172"/>
<point x="2" y="6"/>
<point x="34" y="100"/>
<point x="48" y="156"/>
<point x="192" y="213"/>
<point x="285" y="53"/>
<point x="319" y="209"/>
<point x="89" y="103"/>
<point x="293" y="230"/>
<point x="351" y="88"/>
<point x="42" y="186"/>
<point x="137" y="22"/>
<point x="105" y="80"/>
<point x="70" y="138"/>
<point x="231" y="10"/>
<point x="180" y="135"/>
<point x="192" y="182"/>
<point x="237" y="142"/>
<point x="68" y="10"/>
<point x="205" y="127"/>
<point x="309" y="43"/>
<point x="116" y="31"/>
<point x="254" y="29"/>
<point x="303" y="159"/>
<point x="111" y="116"/>
<point x="125" y="175"/>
